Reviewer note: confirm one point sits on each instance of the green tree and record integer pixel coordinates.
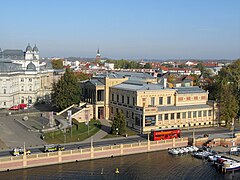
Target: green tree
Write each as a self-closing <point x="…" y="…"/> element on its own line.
<point x="119" y="124"/>
<point x="148" y="66"/>
<point x="66" y="91"/>
<point x="57" y="64"/>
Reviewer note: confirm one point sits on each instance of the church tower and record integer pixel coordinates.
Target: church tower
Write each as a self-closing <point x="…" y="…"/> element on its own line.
<point x="28" y="53"/>
<point x="98" y="56"/>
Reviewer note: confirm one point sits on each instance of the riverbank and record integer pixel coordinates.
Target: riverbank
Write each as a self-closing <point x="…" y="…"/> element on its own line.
<point x="42" y="159"/>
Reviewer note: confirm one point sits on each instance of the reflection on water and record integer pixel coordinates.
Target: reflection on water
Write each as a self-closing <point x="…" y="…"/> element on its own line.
<point x="156" y="165"/>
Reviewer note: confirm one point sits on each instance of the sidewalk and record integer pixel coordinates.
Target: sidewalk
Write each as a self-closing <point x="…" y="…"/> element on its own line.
<point x="105" y="129"/>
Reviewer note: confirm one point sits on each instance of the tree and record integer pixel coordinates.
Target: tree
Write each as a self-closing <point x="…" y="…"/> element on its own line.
<point x="81" y="76"/>
<point x="148" y="66"/>
<point x="57" y="64"/>
<point x="66" y="91"/>
<point x="226" y="90"/>
<point x="119" y="124"/>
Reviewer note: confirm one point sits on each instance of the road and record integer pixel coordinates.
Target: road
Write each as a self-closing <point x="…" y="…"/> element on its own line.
<point x="212" y="132"/>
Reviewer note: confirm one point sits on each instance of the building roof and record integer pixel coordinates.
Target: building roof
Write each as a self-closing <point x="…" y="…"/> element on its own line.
<point x="178" y="108"/>
<point x="130" y="75"/>
<point x="139" y="86"/>
<point x="13" y="54"/>
<point x="189" y="90"/>
<point x="8" y="66"/>
<point x="96" y="82"/>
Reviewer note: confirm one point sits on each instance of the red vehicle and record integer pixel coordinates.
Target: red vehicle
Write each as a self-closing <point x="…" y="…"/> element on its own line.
<point x="22" y="106"/>
<point x="164" y="134"/>
<point x="14" y="108"/>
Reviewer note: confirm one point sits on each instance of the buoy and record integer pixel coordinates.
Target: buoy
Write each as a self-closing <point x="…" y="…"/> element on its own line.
<point x="117" y="171"/>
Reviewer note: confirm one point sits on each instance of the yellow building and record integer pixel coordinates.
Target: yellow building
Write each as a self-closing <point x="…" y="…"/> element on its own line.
<point x="148" y="105"/>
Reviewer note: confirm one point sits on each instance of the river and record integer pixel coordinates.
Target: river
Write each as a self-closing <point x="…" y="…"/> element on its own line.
<point x="155" y="165"/>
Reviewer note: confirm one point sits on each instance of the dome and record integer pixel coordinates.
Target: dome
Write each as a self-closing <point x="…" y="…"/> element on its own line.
<point x="29" y="48"/>
<point x="35" y="48"/>
<point x="31" y="67"/>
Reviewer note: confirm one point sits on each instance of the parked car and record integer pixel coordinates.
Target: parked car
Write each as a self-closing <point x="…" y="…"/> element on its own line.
<point x="14" y="108"/>
<point x="22" y="106"/>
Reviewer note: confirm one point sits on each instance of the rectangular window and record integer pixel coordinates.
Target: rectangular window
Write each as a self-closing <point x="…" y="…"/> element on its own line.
<point x="30" y="79"/>
<point x="199" y="113"/>
<point x="184" y="115"/>
<point x="112" y="97"/>
<point x="160" y="100"/>
<point x="178" y="115"/>
<point x="4" y="91"/>
<point x="160" y="117"/>
<point x="132" y="115"/>
<point x="172" y="115"/>
<point x="22" y="80"/>
<point x="4" y="103"/>
<point x="169" y="100"/>
<point x="22" y="88"/>
<point x="133" y="99"/>
<point x="30" y="88"/>
<point x="189" y="114"/>
<point x="152" y="101"/>
<point x="122" y="99"/>
<point x="127" y="114"/>
<point x="128" y="100"/>
<point x="117" y="98"/>
<point x="165" y="116"/>
<point x="209" y="112"/>
<point x="111" y="109"/>
<point x="194" y="114"/>
<point x="204" y="113"/>
<point x="117" y="110"/>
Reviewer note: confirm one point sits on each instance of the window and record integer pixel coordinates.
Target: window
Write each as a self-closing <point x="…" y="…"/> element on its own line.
<point x="199" y="113"/>
<point x="209" y="112"/>
<point x="204" y="113"/>
<point x="160" y="117"/>
<point x="30" y="79"/>
<point x="189" y="114"/>
<point x="194" y="114"/>
<point x="127" y="114"/>
<point x="22" y="80"/>
<point x="4" y="91"/>
<point x="132" y="115"/>
<point x="122" y="99"/>
<point x="4" y="103"/>
<point x="112" y="97"/>
<point x="169" y="100"/>
<point x="30" y="88"/>
<point x="111" y="109"/>
<point x="22" y="88"/>
<point x="117" y="98"/>
<point x="152" y="101"/>
<point x="117" y="110"/>
<point x="172" y="115"/>
<point x="160" y="100"/>
<point x="128" y="100"/>
<point x="178" y="115"/>
<point x="133" y="99"/>
<point x="184" y="115"/>
<point x="165" y="116"/>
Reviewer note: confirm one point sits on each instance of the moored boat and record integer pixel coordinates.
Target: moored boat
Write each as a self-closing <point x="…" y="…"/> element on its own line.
<point x="231" y="165"/>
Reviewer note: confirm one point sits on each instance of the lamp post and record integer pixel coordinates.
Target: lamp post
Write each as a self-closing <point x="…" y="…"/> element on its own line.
<point x="116" y="131"/>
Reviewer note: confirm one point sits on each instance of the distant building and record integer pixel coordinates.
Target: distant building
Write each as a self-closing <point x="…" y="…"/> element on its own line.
<point x="98" y="56"/>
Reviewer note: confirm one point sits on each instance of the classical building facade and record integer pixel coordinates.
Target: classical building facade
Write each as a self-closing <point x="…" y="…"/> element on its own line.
<point x="147" y="104"/>
<point x="23" y="79"/>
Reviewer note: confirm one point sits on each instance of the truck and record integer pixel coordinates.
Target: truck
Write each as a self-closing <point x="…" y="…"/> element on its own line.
<point x="53" y="147"/>
<point x="20" y="151"/>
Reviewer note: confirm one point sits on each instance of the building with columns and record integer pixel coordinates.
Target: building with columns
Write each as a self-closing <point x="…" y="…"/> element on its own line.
<point x="146" y="104"/>
<point x="23" y="79"/>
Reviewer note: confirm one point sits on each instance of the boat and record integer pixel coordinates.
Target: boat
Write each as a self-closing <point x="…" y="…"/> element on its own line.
<point x="173" y="151"/>
<point x="230" y="165"/>
<point x="185" y="150"/>
<point x="202" y="155"/>
<point x="181" y="151"/>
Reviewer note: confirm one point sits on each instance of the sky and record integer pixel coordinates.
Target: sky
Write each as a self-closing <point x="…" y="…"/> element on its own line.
<point x="128" y="29"/>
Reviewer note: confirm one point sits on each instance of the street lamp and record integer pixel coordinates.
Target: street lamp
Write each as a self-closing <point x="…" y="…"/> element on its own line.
<point x="116" y="131"/>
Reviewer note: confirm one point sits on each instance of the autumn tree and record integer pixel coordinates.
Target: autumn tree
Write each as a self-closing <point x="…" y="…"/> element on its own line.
<point x="57" y="64"/>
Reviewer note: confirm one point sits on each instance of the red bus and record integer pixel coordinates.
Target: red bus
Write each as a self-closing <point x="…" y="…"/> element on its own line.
<point x="163" y="134"/>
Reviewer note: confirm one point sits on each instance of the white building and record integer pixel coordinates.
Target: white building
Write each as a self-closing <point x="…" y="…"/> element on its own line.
<point x="23" y="79"/>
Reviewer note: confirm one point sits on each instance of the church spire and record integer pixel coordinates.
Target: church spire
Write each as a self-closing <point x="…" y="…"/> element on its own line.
<point x="98" y="56"/>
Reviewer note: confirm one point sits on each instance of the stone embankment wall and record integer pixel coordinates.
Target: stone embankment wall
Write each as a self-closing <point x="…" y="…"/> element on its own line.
<point x="42" y="159"/>
<point x="227" y="142"/>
